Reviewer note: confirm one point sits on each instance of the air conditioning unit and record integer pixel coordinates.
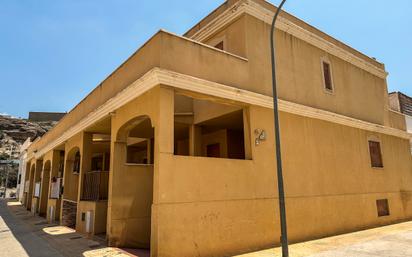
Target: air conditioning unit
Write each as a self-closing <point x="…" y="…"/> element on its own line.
<point x="89" y="221"/>
<point x="51" y="214"/>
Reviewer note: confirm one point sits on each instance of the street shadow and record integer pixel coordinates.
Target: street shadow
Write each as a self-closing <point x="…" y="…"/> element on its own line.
<point x="39" y="238"/>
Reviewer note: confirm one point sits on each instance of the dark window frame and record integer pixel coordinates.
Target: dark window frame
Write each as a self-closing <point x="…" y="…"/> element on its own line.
<point x="382" y="207"/>
<point x="327" y="76"/>
<point x="375" y="153"/>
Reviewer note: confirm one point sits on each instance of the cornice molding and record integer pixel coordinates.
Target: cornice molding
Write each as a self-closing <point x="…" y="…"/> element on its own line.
<point x="258" y="11"/>
<point x="158" y="76"/>
<point x="137" y="88"/>
<point x="194" y="84"/>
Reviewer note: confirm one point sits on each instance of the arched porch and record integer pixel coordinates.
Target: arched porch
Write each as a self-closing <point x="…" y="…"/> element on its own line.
<point x="71" y="187"/>
<point x="44" y="192"/>
<point x="132" y="182"/>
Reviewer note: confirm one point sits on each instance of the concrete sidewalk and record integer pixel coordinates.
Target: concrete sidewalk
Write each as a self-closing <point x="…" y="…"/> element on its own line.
<point x="17" y="239"/>
<point x="23" y="234"/>
<point x="388" y="241"/>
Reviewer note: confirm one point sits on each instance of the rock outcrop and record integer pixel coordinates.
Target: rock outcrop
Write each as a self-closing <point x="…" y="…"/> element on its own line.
<point x="14" y="131"/>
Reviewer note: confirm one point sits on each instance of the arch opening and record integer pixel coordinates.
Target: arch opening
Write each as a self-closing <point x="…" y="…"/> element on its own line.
<point x="45" y="179"/>
<point x="71" y="187"/>
<point x="133" y="179"/>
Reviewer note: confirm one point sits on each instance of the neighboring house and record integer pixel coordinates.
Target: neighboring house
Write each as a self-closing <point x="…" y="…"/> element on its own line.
<point x="21" y="176"/>
<point x="8" y="176"/>
<point x="174" y="151"/>
<point x="402" y="103"/>
<point x="46" y="116"/>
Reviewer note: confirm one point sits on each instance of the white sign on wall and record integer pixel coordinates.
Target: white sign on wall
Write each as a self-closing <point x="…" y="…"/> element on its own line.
<point x="409" y="126"/>
<point x="408" y="123"/>
<point x="37" y="190"/>
<point x="55" y="189"/>
<point x="26" y="186"/>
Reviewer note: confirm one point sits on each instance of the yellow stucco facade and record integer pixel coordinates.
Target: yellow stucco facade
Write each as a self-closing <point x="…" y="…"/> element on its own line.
<point x="174" y="151"/>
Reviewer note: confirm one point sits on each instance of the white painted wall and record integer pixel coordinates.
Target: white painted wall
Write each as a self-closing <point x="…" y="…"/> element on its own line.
<point x="409" y="126"/>
<point x="408" y="123"/>
<point x="22" y="168"/>
<point x="22" y="174"/>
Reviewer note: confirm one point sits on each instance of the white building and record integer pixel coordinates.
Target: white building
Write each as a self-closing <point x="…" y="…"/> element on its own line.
<point x="409" y="123"/>
<point x="22" y="168"/>
<point x="403" y="104"/>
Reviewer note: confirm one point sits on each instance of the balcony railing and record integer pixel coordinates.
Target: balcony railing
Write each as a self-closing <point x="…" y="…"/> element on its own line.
<point x="95" y="186"/>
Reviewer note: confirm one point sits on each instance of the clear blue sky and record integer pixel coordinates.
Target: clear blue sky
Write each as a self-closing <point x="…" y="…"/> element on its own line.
<point x="52" y="53"/>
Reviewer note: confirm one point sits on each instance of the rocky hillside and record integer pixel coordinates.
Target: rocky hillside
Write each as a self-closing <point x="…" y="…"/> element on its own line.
<point x="14" y="131"/>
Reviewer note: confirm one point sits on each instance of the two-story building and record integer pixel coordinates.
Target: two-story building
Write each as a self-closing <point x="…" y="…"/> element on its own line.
<point x="402" y="103"/>
<point x="174" y="151"/>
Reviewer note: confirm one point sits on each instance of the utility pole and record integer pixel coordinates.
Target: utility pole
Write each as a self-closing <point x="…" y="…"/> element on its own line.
<point x="8" y="171"/>
<point x="7" y="180"/>
<point x="282" y="207"/>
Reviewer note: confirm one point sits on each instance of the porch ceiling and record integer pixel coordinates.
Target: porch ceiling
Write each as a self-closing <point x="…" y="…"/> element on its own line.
<point x="101" y="127"/>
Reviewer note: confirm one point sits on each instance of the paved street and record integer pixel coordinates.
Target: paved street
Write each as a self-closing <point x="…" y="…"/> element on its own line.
<point x="22" y="234"/>
<point x="389" y="241"/>
<point x="17" y="239"/>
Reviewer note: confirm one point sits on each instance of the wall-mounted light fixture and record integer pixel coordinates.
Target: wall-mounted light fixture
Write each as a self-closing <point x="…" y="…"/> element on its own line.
<point x="260" y="136"/>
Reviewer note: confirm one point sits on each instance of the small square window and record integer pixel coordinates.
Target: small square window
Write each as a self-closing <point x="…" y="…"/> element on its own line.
<point x="375" y="154"/>
<point x="327" y="76"/>
<point x="382" y="207"/>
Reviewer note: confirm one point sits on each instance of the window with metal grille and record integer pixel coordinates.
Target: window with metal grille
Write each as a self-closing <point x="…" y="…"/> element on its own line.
<point x="382" y="206"/>
<point x="327" y="76"/>
<point x="76" y="163"/>
<point x="375" y="154"/>
<point x="61" y="164"/>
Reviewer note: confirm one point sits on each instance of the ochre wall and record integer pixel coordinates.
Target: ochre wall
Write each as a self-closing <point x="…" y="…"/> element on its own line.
<point x="31" y="169"/>
<point x="37" y="178"/>
<point x="206" y="110"/>
<point x="211" y="207"/>
<point x="214" y="207"/>
<point x="360" y="95"/>
<point x="35" y="205"/>
<point x="131" y="187"/>
<point x="54" y="158"/>
<point x="397" y="120"/>
<point x="71" y="180"/>
<point x="44" y="193"/>
<point x="234" y="33"/>
<point x="99" y="220"/>
<point x="217" y="137"/>
<point x="56" y="203"/>
<point x="357" y="93"/>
